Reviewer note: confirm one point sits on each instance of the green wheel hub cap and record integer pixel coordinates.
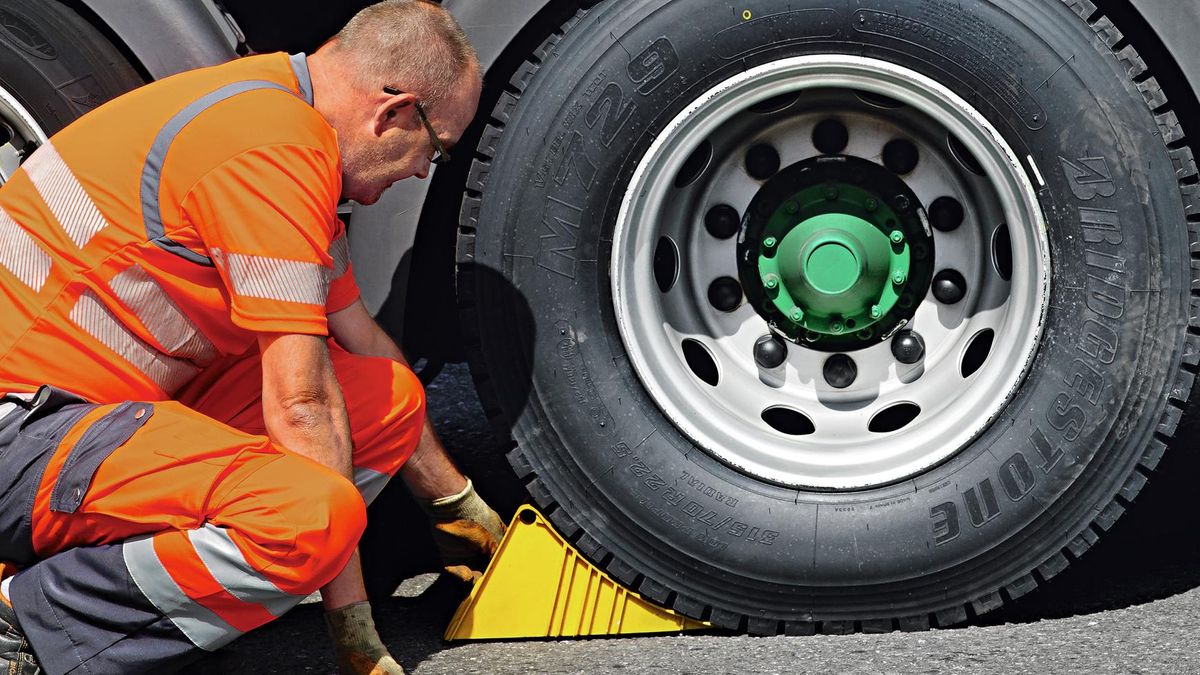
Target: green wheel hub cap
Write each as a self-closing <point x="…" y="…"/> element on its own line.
<point x="835" y="253"/>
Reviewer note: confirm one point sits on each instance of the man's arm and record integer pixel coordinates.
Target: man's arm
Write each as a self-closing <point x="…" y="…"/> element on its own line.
<point x="429" y="473"/>
<point x="305" y="412"/>
<point x="465" y="529"/>
<point x="303" y="406"/>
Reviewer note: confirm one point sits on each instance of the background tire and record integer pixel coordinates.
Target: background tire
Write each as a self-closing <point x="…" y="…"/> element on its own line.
<point x="55" y="66"/>
<point x="1075" y="443"/>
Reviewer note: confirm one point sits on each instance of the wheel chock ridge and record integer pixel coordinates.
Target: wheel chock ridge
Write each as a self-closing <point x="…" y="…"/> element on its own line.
<point x="539" y="586"/>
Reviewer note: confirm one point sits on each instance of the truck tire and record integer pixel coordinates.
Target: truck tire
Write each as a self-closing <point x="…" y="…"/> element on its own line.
<point x="54" y="67"/>
<point x="732" y="400"/>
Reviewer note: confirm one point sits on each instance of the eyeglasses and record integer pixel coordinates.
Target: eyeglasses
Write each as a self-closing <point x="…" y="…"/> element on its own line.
<point x="442" y="156"/>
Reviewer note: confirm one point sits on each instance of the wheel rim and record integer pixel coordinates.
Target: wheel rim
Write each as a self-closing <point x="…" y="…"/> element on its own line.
<point x="20" y="134"/>
<point x="784" y="397"/>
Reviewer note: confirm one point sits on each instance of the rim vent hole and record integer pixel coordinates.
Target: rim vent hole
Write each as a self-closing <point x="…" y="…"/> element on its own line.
<point x="666" y="264"/>
<point x="878" y="100"/>
<point x="775" y="103"/>
<point x="788" y="421"/>
<point x="977" y="352"/>
<point x="1002" y="253"/>
<point x="694" y="166"/>
<point x="964" y="156"/>
<point x="894" y="418"/>
<point x="701" y="362"/>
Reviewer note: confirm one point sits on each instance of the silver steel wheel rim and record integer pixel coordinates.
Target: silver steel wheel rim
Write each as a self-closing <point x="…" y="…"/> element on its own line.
<point x="17" y="130"/>
<point x="841" y="453"/>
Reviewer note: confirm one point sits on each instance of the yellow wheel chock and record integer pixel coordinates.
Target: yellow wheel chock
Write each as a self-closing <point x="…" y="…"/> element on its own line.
<point x="539" y="586"/>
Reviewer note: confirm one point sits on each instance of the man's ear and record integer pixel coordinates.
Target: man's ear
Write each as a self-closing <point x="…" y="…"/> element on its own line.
<point x="394" y="112"/>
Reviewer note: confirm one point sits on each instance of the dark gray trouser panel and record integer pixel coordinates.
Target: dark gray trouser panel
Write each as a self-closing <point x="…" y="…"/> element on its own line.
<point x="80" y="609"/>
<point x="82" y="613"/>
<point x="27" y="440"/>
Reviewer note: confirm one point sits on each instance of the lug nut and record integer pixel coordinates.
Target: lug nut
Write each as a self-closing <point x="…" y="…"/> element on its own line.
<point x="876" y="311"/>
<point x="899" y="278"/>
<point x="908" y="347"/>
<point x="770" y="242"/>
<point x="770" y="352"/>
<point x="762" y="161"/>
<point x="722" y="221"/>
<point x="872" y="204"/>
<point x="840" y="371"/>
<point x="831" y="193"/>
<point x="902" y="203"/>
<point x="797" y="315"/>
<point x="949" y="286"/>
<point x="792" y="208"/>
<point x="897" y="237"/>
<point x="946" y="214"/>
<point x="771" y="281"/>
<point x="725" y="294"/>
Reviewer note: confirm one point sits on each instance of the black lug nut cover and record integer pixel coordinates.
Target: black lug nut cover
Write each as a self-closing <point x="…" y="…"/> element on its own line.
<point x="840" y="371"/>
<point x="725" y="293"/>
<point x="949" y="287"/>
<point x="901" y="156"/>
<point x="946" y="214"/>
<point x="770" y="351"/>
<point x="908" y="347"/>
<point x="722" y="221"/>
<point x="830" y="137"/>
<point x="762" y="161"/>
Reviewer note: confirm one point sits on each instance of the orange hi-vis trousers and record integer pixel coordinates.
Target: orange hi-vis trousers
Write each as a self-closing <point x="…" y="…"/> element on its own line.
<point x="151" y="532"/>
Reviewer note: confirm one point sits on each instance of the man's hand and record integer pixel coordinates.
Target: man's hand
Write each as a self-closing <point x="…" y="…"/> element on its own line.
<point x="466" y="530"/>
<point x="359" y="649"/>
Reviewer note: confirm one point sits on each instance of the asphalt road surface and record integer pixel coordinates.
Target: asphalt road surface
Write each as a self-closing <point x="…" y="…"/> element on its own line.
<point x="1131" y="605"/>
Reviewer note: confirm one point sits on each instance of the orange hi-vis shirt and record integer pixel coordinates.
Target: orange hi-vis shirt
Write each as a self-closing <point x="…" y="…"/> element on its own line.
<point x="169" y="227"/>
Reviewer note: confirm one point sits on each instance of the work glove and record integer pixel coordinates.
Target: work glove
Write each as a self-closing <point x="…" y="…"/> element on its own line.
<point x="466" y="530"/>
<point x="359" y="649"/>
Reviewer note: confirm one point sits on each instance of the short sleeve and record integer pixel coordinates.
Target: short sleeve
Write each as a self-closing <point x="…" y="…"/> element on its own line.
<point x="343" y="290"/>
<point x="268" y="218"/>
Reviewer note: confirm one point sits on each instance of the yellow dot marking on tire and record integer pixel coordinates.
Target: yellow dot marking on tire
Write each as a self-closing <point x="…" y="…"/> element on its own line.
<point x="747" y="15"/>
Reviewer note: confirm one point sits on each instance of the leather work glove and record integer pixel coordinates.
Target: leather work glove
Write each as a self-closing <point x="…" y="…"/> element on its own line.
<point x="466" y="531"/>
<point x="359" y="649"/>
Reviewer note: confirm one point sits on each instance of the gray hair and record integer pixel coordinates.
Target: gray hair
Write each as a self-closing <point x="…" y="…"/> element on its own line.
<point x="411" y="44"/>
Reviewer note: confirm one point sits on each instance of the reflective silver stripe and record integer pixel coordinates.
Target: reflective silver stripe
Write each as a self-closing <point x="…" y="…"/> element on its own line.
<point x="369" y="483"/>
<point x="303" y="77"/>
<point x="94" y="318"/>
<point x="68" y="201"/>
<point x="152" y="170"/>
<point x="254" y="276"/>
<point x="21" y="255"/>
<point x="228" y="566"/>
<point x="339" y="250"/>
<point x="161" y="316"/>
<point x="201" y="625"/>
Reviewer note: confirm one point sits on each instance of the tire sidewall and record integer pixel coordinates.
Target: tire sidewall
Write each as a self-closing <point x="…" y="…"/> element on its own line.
<point x="1001" y="506"/>
<point x="55" y="65"/>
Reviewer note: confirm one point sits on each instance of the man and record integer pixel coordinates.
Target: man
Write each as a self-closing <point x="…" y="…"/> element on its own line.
<point x="198" y="406"/>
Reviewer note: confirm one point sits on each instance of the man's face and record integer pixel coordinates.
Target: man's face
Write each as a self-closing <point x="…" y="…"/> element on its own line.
<point x="396" y="145"/>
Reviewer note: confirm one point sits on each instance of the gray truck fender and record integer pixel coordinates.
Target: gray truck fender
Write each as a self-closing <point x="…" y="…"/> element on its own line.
<point x="382" y="234"/>
<point x="1176" y="24"/>
<point x="170" y="36"/>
